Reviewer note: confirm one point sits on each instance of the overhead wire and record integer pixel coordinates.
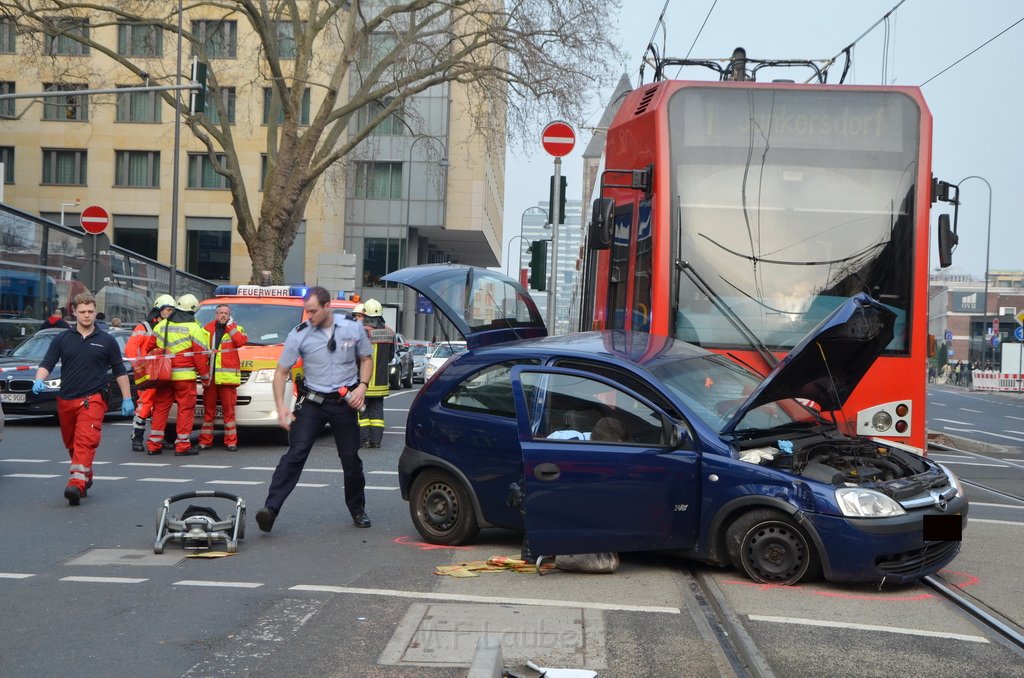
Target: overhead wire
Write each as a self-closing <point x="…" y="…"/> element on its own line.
<point x="972" y="51"/>
<point x="701" y="30"/>
<point x="860" y="37"/>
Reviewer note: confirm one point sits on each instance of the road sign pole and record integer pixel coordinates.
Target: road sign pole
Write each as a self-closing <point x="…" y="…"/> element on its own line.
<point x="553" y="211"/>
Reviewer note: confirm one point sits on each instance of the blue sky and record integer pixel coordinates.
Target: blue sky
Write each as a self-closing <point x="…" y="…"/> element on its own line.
<point x="976" y="105"/>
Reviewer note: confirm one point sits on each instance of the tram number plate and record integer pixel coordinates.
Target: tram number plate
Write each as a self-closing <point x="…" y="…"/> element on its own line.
<point x="12" y="397"/>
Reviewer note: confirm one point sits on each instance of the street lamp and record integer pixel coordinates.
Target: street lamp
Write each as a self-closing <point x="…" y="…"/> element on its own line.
<point x="443" y="163"/>
<point x="76" y="203"/>
<point x="988" y="250"/>
<point x="522" y="223"/>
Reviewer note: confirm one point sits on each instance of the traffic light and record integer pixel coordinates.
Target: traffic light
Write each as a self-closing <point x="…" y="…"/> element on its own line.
<point x="539" y="265"/>
<point x="561" y="197"/>
<point x="197" y="97"/>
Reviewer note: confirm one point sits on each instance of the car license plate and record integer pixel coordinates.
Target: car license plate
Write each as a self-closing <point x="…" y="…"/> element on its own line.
<point x="201" y="410"/>
<point x="12" y="397"/>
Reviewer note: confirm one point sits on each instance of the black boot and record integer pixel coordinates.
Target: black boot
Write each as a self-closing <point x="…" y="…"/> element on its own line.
<point x="138" y="439"/>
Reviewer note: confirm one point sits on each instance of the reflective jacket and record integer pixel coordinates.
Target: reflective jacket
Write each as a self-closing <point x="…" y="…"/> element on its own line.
<point x="189" y="343"/>
<point x="135" y="347"/>
<point x="383" y="341"/>
<point x="226" y="362"/>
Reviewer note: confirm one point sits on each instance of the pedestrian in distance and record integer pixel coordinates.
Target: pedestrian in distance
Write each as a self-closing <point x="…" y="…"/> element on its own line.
<point x="135" y="350"/>
<point x="85" y="355"/>
<point x="188" y="342"/>
<point x="336" y="360"/>
<point x="382" y="338"/>
<point x="101" y="321"/>
<point x="56" y="320"/>
<point x="226" y="337"/>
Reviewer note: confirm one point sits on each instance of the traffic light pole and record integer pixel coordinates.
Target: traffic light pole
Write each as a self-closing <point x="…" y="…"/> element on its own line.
<point x="554" y="213"/>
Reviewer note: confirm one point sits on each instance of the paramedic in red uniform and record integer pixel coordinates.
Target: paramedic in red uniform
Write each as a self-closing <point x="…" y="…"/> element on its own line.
<point x="226" y="337"/>
<point x="163" y="306"/>
<point x="85" y="353"/>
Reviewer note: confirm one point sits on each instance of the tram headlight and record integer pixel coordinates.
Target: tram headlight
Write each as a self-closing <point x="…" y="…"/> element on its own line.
<point x="882" y="421"/>
<point x="857" y="502"/>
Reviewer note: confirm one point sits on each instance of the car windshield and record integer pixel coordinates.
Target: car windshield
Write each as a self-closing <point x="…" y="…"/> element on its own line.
<point x="264" y="324"/>
<point x="35" y="347"/>
<point x="714" y="387"/>
<point x="447" y="351"/>
<point x="420" y="349"/>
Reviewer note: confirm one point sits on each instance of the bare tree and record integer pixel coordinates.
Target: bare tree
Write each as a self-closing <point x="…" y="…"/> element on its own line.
<point x="522" y="60"/>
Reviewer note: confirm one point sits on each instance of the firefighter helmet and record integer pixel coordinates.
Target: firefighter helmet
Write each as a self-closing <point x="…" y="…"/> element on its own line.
<point x="373" y="309"/>
<point x="358" y="310"/>
<point x="163" y="301"/>
<point x="188" y="302"/>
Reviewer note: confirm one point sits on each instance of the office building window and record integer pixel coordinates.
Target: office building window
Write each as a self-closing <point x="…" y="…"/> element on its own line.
<point x="74" y="107"/>
<point x="137" y="169"/>
<point x="227" y="97"/>
<point x="378" y="180"/>
<point x="269" y="98"/>
<point x="286" y="40"/>
<point x="208" y="247"/>
<point x="380" y="257"/>
<point x="138" y="233"/>
<point x="7" y="35"/>
<point x="66" y="39"/>
<point x="63" y="167"/>
<point x="6" y="105"/>
<point x="138" y="106"/>
<point x="394" y="124"/>
<point x="139" y="40"/>
<point x="219" y="38"/>
<point x="7" y="158"/>
<point x="201" y="172"/>
<point x="376" y="47"/>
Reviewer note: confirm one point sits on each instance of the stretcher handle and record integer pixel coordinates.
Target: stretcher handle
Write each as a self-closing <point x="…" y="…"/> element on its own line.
<point x="203" y="493"/>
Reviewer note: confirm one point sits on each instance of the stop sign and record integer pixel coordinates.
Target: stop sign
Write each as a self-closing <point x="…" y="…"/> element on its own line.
<point x="558" y="138"/>
<point x="95" y="219"/>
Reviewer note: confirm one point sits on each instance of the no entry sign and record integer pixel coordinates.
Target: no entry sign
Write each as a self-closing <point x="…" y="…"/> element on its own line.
<point x="95" y="219"/>
<point x="558" y="138"/>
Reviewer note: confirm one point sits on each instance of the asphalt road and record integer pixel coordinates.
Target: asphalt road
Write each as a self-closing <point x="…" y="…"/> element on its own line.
<point x="83" y="592"/>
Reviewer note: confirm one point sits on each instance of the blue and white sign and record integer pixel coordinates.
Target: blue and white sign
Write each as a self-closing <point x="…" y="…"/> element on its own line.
<point x="948" y="335"/>
<point x="1018" y="334"/>
<point x="424" y="305"/>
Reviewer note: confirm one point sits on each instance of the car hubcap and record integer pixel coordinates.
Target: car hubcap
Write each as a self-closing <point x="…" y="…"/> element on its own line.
<point x="440" y="507"/>
<point x="775" y="552"/>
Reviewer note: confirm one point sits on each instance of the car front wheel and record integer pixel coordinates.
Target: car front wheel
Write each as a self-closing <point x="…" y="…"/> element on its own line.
<point x="441" y="508"/>
<point x="770" y="548"/>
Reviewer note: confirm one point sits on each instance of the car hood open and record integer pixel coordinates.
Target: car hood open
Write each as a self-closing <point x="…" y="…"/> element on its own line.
<point x="826" y="366"/>
<point x="485" y="306"/>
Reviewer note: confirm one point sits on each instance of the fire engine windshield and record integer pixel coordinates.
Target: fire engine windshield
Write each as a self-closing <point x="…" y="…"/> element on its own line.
<point x="264" y="324"/>
<point x="789" y="202"/>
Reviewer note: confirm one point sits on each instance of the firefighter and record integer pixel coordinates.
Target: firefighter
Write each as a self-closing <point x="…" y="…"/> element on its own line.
<point x="133" y="349"/>
<point x="85" y="354"/>
<point x="382" y="338"/>
<point x="189" y="343"/>
<point x="226" y="337"/>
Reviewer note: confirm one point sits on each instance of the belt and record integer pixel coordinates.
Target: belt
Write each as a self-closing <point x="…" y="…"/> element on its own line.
<point x="319" y="397"/>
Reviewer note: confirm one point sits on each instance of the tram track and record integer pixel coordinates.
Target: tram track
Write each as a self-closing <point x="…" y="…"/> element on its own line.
<point x="1005" y="631"/>
<point x="739" y="649"/>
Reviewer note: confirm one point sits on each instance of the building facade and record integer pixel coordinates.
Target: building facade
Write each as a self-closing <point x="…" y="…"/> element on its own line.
<point x="562" y="264"/>
<point x="971" y="330"/>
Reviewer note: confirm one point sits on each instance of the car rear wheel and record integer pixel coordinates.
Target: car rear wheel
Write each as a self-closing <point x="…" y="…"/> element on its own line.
<point x="770" y="548"/>
<point x="441" y="508"/>
<point x="407" y="382"/>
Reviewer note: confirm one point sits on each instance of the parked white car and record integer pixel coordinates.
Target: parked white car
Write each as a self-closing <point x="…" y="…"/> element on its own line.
<point x="442" y="352"/>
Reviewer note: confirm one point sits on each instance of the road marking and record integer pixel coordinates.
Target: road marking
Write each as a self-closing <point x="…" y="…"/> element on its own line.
<point x="165" y="480"/>
<point x="259" y="468"/>
<point x="28" y="461"/>
<point x="324" y="470"/>
<point x="104" y="580"/>
<point x="932" y="455"/>
<point x="973" y="463"/>
<point x="224" y="584"/>
<point x="1009" y="506"/>
<point x="986" y="433"/>
<point x="996" y="522"/>
<point x="32" y="475"/>
<point x="210" y="466"/>
<point x="15" y="575"/>
<point x="234" y="482"/>
<point x="325" y="485"/>
<point x="964" y="409"/>
<point x="385" y="473"/>
<point x="1012" y="431"/>
<point x="109" y="477"/>
<point x="1010" y="416"/>
<point x="954" y="421"/>
<point x="866" y="627"/>
<point x="466" y="598"/>
<point x="380" y="487"/>
<point x="144" y="463"/>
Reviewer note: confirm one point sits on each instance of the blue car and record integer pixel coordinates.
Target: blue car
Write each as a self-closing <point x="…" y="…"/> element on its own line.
<point x="615" y="441"/>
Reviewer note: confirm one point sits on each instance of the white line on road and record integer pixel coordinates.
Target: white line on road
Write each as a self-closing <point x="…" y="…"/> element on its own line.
<point x="1009" y="506"/>
<point x="28" y="461"/>
<point x="323" y="470"/>
<point x="996" y="522"/>
<point x="224" y="584"/>
<point x="15" y="575"/>
<point x="1006" y="430"/>
<point x="986" y="433"/>
<point x="109" y="477"/>
<point x="385" y="473"/>
<point x="866" y="627"/>
<point x="104" y="580"/>
<point x="258" y="468"/>
<point x="964" y="409"/>
<point x="954" y="421"/>
<point x="234" y="482"/>
<point x="165" y="480"/>
<point x="972" y="463"/>
<point x="466" y="598"/>
<point x="1010" y="416"/>
<point x="30" y="475"/>
<point x="380" y="487"/>
<point x="215" y="467"/>
<point x="325" y="485"/>
<point x="144" y="463"/>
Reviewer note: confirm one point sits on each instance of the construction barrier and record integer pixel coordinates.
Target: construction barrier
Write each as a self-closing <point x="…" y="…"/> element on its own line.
<point x="990" y="380"/>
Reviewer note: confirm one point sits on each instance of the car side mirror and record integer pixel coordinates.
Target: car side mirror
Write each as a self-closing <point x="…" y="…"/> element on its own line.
<point x="602" y="222"/>
<point x="679" y="437"/>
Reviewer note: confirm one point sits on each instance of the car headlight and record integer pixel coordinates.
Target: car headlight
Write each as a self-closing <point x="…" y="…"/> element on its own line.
<point x="262" y="377"/>
<point x="857" y="502"/>
<point x="51" y="383"/>
<point x="429" y="369"/>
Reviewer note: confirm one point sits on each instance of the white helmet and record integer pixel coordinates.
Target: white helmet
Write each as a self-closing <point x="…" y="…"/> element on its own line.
<point x="188" y="302"/>
<point x="373" y="309"/>
<point x="163" y="301"/>
<point x="358" y="310"/>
